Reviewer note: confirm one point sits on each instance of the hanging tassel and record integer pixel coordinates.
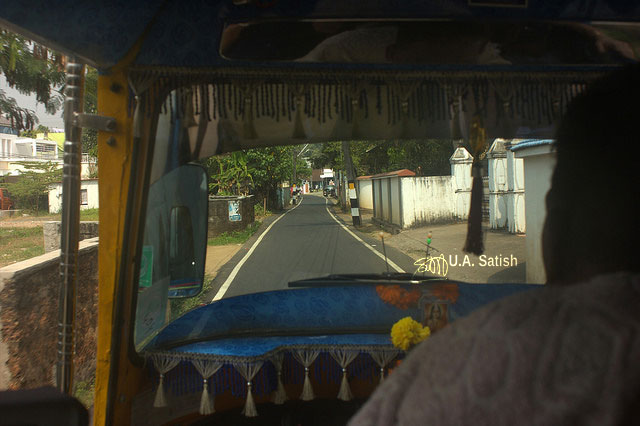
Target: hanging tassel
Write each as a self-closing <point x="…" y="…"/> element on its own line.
<point x="206" y="403"/>
<point x="298" y="129"/>
<point x="307" y="389"/>
<point x="355" y="127"/>
<point x="345" y="392"/>
<point x="405" y="121"/>
<point x="161" y="399"/>
<point x="163" y="365"/>
<point x="280" y="395"/>
<point x="249" y="127"/>
<point x="249" y="409"/>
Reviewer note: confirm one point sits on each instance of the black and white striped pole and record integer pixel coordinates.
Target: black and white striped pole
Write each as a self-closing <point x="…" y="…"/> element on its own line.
<point x="353" y="199"/>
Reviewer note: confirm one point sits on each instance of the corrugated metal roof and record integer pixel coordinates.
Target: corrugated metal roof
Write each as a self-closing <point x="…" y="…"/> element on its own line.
<point x="530" y="143"/>
<point x="398" y="173"/>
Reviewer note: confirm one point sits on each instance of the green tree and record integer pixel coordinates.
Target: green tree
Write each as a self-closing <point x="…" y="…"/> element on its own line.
<point x="428" y="157"/>
<point x="90" y="136"/>
<point x="31" y="69"/>
<point x="33" y="183"/>
<point x="230" y="174"/>
<point x="270" y="167"/>
<point x="33" y="133"/>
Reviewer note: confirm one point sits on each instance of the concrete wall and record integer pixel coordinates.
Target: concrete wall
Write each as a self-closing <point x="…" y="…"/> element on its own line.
<point x="91" y="188"/>
<point x="539" y="162"/>
<point x="428" y="200"/>
<point x="411" y="201"/>
<point x="365" y="193"/>
<point x="219" y="220"/>
<point x="377" y="196"/>
<point x="53" y="230"/>
<point x="396" y="200"/>
<point x="29" y="317"/>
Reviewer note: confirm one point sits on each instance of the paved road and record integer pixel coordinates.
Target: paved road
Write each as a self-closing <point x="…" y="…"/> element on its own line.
<point x="305" y="242"/>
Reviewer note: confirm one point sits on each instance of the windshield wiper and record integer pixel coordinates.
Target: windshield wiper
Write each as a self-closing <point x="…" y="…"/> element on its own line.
<point x="385" y="278"/>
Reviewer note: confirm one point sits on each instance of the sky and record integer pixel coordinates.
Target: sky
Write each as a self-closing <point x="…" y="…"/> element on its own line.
<point x="29" y="102"/>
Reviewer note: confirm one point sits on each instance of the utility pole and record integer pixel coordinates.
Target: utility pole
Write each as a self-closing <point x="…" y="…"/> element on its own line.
<point x="351" y="183"/>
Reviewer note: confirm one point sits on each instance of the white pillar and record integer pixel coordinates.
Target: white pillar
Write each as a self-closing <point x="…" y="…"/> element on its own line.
<point x="497" y="162"/>
<point x="461" y="161"/>
<point x="515" y="195"/>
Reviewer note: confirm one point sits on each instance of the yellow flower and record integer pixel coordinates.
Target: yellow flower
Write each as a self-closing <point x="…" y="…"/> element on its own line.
<point x="408" y="332"/>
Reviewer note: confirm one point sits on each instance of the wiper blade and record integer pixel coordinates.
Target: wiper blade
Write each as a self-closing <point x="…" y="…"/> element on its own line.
<point x="385" y="278"/>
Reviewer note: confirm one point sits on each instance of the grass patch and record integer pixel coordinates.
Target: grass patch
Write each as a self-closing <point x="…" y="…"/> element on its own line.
<point x="85" y="215"/>
<point x="83" y="391"/>
<point x="89" y="214"/>
<point x="17" y="244"/>
<point x="180" y="307"/>
<point x="258" y="210"/>
<point x="235" y="237"/>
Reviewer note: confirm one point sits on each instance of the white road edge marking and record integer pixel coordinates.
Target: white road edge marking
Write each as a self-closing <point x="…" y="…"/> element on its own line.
<point x="376" y="252"/>
<point x="225" y="286"/>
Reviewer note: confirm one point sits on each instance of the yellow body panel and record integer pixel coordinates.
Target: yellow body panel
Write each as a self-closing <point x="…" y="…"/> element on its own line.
<point x="114" y="165"/>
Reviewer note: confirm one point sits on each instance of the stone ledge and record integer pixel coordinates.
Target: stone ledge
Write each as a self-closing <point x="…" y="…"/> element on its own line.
<point x="42" y="261"/>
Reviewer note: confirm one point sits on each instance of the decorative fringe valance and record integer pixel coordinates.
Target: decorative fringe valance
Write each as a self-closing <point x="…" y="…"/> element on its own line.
<point x="401" y="99"/>
<point x="250" y="376"/>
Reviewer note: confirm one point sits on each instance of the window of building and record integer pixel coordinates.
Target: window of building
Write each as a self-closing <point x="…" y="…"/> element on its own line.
<point x="47" y="150"/>
<point x="84" y="198"/>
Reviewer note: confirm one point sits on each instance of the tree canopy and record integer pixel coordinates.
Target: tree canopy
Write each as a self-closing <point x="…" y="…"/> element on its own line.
<point x="31" y="69"/>
<point x="428" y="157"/>
<point x="34" y="183"/>
<point x="258" y="171"/>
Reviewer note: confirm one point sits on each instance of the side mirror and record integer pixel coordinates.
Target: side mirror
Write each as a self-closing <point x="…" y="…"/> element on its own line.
<point x="175" y="240"/>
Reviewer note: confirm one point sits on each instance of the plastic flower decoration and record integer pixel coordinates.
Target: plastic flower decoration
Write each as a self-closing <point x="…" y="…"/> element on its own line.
<point x="408" y="332"/>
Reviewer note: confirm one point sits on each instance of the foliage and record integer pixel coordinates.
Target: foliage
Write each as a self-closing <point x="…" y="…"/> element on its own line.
<point x="230" y="174"/>
<point x="31" y="69"/>
<point x="235" y="237"/>
<point x="270" y="166"/>
<point x="327" y="155"/>
<point x="258" y="171"/>
<point x="89" y="214"/>
<point x="34" y="182"/>
<point x="21" y="118"/>
<point x="90" y="136"/>
<point x="33" y="133"/>
<point x="84" y="392"/>
<point x="425" y="157"/>
<point x="259" y="210"/>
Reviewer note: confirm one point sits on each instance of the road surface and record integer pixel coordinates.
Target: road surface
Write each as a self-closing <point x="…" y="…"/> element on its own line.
<point x="306" y="242"/>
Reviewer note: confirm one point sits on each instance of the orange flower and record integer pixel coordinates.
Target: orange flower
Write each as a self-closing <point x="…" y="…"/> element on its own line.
<point x="397" y="296"/>
<point x="447" y="291"/>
